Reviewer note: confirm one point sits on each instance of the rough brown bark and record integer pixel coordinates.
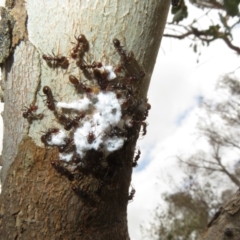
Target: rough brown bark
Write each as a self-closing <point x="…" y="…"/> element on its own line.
<point x="36" y="201"/>
<point x="225" y="223"/>
<point x="39" y="203"/>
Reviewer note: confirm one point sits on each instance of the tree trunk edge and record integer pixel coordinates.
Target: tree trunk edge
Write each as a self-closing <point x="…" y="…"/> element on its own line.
<point x="225" y="223"/>
<point x="25" y="201"/>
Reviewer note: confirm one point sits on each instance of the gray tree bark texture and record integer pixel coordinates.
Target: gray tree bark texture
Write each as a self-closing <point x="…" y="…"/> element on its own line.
<point x="36" y="201"/>
<point x="226" y="222"/>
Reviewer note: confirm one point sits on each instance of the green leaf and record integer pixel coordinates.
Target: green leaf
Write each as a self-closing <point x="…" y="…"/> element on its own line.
<point x="195" y="48"/>
<point x="180" y="15"/>
<point x="231" y="7"/>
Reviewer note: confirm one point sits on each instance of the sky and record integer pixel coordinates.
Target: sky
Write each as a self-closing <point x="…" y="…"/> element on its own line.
<point x="177" y="87"/>
<point x="178" y="84"/>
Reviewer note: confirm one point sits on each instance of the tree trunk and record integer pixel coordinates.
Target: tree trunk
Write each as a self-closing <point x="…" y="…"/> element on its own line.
<point x="225" y="223"/>
<point x="37" y="201"/>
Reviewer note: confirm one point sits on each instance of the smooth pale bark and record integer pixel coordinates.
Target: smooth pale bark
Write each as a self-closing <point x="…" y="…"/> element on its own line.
<point x="37" y="202"/>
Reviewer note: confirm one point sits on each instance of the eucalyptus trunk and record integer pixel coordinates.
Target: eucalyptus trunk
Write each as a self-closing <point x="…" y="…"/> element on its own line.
<point x="38" y="202"/>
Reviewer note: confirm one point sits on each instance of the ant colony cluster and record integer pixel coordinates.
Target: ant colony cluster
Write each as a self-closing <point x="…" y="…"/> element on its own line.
<point x="107" y="115"/>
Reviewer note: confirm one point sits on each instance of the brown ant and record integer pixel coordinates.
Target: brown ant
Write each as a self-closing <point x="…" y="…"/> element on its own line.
<point x="144" y="126"/>
<point x="116" y="86"/>
<point x="93" y="65"/>
<point x="125" y="58"/>
<point x="118" y="68"/>
<point x="62" y="119"/>
<point x="136" y="77"/>
<point x="75" y="120"/>
<point x="56" y="61"/>
<point x="136" y="124"/>
<point x="76" y="159"/>
<point x="80" y="47"/>
<point x="68" y="147"/>
<point x="148" y="106"/>
<point x="145" y="114"/>
<point x="45" y="139"/>
<point x="101" y="78"/>
<point x="50" y="99"/>
<point x="131" y="195"/>
<point x="91" y="137"/>
<point x="126" y="88"/>
<point x="136" y="158"/>
<point x="116" y="131"/>
<point x="47" y="136"/>
<point x="134" y="107"/>
<point x="62" y="170"/>
<point x="68" y="123"/>
<point x="29" y="113"/>
<point x="67" y="141"/>
<point x="79" y="85"/>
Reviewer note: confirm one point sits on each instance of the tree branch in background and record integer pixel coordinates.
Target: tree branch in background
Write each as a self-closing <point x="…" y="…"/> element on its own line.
<point x="220" y="26"/>
<point x="212" y="172"/>
<point x="207" y="4"/>
<point x="204" y="36"/>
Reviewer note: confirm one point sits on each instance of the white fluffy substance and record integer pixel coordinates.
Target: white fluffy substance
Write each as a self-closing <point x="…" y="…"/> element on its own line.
<point x="113" y="144"/>
<point x="81" y="104"/>
<point x="111" y="74"/>
<point x="107" y="114"/>
<point x="128" y="121"/>
<point x="104" y="114"/>
<point x="65" y="157"/>
<point x="58" y="138"/>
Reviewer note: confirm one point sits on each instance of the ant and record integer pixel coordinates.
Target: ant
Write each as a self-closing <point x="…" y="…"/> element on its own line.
<point x="62" y="119"/>
<point x="125" y="58"/>
<point x="62" y="170"/>
<point x="118" y="68"/>
<point x="116" y="86"/>
<point x="101" y="78"/>
<point x="127" y="105"/>
<point x="135" y="77"/>
<point x="68" y="147"/>
<point x="148" y="106"/>
<point x="47" y="136"/>
<point x="80" y="47"/>
<point x="56" y="61"/>
<point x="75" y="121"/>
<point x="136" y="158"/>
<point x="50" y="99"/>
<point x="116" y="131"/>
<point x="131" y="195"/>
<point x="68" y="123"/>
<point x="144" y="126"/>
<point x="28" y="113"/>
<point x="76" y="159"/>
<point x="78" y="85"/>
<point x="93" y="65"/>
<point x="127" y="89"/>
<point x="91" y="137"/>
<point x="145" y="114"/>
